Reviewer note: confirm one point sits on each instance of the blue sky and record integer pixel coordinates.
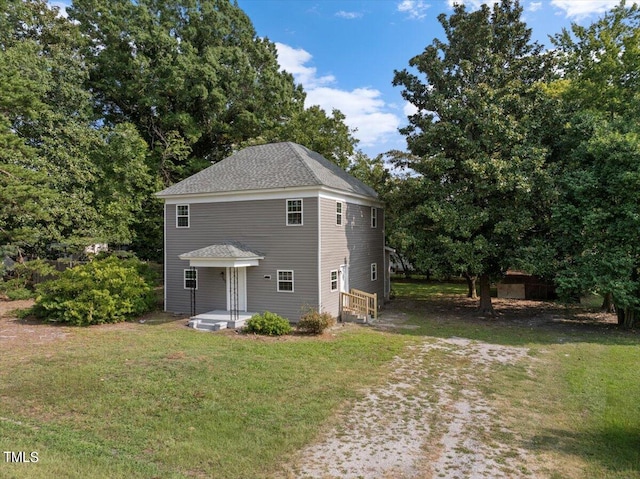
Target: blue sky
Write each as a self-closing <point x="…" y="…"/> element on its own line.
<point x="344" y="52"/>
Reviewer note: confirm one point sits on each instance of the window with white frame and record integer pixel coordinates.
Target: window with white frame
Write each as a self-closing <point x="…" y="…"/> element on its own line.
<point x="285" y="281"/>
<point x="334" y="280"/>
<point x="374" y="271"/>
<point x="190" y="279"/>
<point x="294" y="212"/>
<point x="182" y="216"/>
<point x="339" y="209"/>
<point x="374" y="217"/>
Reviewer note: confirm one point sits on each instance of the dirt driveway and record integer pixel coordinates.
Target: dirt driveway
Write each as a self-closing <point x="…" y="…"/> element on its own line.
<point x="429" y="423"/>
<point x="423" y="423"/>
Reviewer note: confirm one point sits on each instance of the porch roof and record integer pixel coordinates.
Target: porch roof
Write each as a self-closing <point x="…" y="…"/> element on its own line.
<point x="227" y="254"/>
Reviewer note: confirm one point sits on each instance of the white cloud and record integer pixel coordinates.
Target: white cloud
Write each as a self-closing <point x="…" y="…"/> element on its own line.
<point x="363" y="108"/>
<point x="293" y="60"/>
<point x="535" y="6"/>
<point x="409" y="109"/>
<point x="348" y="15"/>
<point x="584" y="8"/>
<point x="416" y="9"/>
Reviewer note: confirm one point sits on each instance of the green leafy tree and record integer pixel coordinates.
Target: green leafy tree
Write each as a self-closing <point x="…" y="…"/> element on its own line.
<point x="26" y="199"/>
<point x="596" y="224"/>
<point x="65" y="178"/>
<point x="327" y="135"/>
<point x="191" y="75"/>
<point x="600" y="62"/>
<point x="478" y="140"/>
<point x="198" y="84"/>
<point x="596" y="221"/>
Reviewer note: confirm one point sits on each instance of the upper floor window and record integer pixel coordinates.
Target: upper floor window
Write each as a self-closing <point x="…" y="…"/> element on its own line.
<point x="294" y="212"/>
<point x="339" y="208"/>
<point x="374" y="217"/>
<point x="182" y="216"/>
<point x="374" y="271"/>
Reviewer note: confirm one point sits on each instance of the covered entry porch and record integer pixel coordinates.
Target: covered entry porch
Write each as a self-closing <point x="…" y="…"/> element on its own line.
<point x="230" y="260"/>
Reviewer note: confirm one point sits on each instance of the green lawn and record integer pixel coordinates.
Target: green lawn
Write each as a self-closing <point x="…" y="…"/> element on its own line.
<point x="165" y="401"/>
<point x="158" y="400"/>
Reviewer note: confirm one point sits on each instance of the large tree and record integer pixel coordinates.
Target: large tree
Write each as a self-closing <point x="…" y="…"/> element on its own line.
<point x="59" y="170"/>
<point x="192" y="76"/>
<point x="478" y="140"/>
<point x="596" y="221"/>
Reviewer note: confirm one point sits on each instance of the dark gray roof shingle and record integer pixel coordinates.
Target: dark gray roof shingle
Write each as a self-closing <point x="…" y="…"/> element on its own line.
<point x="227" y="250"/>
<point x="262" y="167"/>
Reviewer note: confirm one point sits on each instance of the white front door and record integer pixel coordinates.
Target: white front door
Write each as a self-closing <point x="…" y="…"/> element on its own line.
<point x="344" y="278"/>
<point x="236" y="289"/>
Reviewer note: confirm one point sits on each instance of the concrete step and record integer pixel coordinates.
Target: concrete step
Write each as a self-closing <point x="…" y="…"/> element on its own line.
<point x="207" y="325"/>
<point x="348" y="317"/>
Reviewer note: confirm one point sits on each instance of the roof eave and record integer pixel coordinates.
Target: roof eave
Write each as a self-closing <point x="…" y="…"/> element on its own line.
<point x="248" y="194"/>
<point x="222" y="262"/>
<point x="222" y="194"/>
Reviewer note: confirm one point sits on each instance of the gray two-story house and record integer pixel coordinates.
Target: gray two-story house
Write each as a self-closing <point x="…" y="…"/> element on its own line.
<point x="274" y="227"/>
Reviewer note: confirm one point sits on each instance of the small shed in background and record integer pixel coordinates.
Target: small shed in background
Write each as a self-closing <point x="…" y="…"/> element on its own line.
<point x="522" y="285"/>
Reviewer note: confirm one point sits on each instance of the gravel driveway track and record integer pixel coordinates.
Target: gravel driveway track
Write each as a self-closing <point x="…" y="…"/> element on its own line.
<point x="423" y="422"/>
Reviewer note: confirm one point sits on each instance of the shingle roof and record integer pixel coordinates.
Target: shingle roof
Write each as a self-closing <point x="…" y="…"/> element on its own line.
<point x="226" y="250"/>
<point x="275" y="165"/>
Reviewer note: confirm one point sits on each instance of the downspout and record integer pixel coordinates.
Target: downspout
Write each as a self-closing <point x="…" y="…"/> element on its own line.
<point x="164" y="306"/>
<point x="319" y="255"/>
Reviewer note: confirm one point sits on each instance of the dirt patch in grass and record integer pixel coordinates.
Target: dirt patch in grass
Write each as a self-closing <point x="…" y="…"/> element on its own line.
<point x="18" y="333"/>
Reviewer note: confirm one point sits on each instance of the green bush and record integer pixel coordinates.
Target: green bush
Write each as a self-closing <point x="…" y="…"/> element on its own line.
<point x="268" y="323"/>
<point x="20" y="282"/>
<point x="103" y="291"/>
<point x="14" y="294"/>
<point x="315" y="322"/>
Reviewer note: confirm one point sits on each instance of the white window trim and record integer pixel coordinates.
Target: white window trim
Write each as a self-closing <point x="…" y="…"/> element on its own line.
<point x="374" y="271"/>
<point x="301" y="211"/>
<point x="337" y="281"/>
<point x="374" y="217"/>
<point x="292" y="281"/>
<point x="340" y="214"/>
<point x="184" y="278"/>
<point x="188" y="216"/>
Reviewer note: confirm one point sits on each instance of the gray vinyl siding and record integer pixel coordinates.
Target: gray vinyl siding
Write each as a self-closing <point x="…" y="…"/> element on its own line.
<point x="260" y="225"/>
<point x="354" y="243"/>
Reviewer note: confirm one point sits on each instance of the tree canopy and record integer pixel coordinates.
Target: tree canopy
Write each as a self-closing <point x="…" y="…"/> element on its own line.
<point x="54" y="187"/>
<point x="596" y="222"/>
<point x="477" y="141"/>
<point x="191" y="75"/>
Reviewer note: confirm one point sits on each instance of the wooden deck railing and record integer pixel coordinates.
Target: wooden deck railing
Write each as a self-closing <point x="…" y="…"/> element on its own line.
<point x="359" y="302"/>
